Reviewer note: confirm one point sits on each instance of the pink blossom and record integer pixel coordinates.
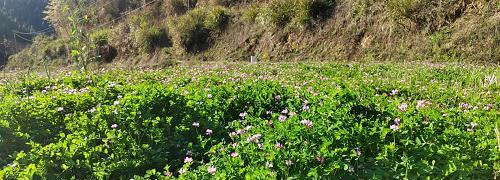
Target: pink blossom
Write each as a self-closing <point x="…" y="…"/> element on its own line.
<point x="240" y="131"/>
<point x="358" y="151"/>
<point x="232" y="134"/>
<point x="420" y="103"/>
<point x="243" y="115"/>
<point x="234" y="154"/>
<point x="278" y="146"/>
<point x="464" y="106"/>
<point x="188" y="160"/>
<point x="307" y="123"/>
<point x="282" y="118"/>
<point x="254" y="138"/>
<point x="394" y="92"/>
<point x="285" y="111"/>
<point x="403" y="107"/>
<point x="488" y="107"/>
<point x="394" y="127"/>
<point x="211" y="170"/>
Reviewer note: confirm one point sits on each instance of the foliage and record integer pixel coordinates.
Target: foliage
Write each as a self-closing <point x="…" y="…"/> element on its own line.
<point x="264" y="121"/>
<point x="300" y="12"/>
<point x="149" y="38"/>
<point x="44" y="50"/>
<point x="191" y="32"/>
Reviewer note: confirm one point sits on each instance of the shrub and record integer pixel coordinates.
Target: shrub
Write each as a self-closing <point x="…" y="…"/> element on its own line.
<point x="216" y="18"/>
<point x="149" y="38"/>
<point x="192" y="31"/>
<point x="428" y="14"/>
<point x="179" y="7"/>
<point x="298" y="12"/>
<point x="101" y="37"/>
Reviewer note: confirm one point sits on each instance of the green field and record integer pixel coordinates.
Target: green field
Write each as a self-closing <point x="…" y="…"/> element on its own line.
<point x="253" y="121"/>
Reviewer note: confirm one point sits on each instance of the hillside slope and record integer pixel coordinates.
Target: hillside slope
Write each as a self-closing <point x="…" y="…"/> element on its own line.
<point x="154" y="32"/>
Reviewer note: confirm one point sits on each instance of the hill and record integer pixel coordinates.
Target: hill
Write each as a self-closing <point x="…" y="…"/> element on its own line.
<point x="154" y="32"/>
<point x="22" y="16"/>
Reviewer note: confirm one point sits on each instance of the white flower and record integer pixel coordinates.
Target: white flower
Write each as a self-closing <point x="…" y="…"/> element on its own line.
<point x="196" y="124"/>
<point x="208" y="132"/>
<point x="114" y="126"/>
<point x="60" y="109"/>
<point x="211" y="169"/>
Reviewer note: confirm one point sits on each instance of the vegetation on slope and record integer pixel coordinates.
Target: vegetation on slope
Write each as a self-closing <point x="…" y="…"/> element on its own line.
<point x="170" y="30"/>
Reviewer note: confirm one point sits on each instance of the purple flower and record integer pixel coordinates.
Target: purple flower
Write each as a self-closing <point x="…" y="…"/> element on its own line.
<point x="277" y="98"/>
<point x="232" y="134"/>
<point x="358" y="151"/>
<point x="114" y="126"/>
<point x="234" y="154"/>
<point x="305" y="107"/>
<point x="464" y="106"/>
<point x="254" y="138"/>
<point x="488" y="107"/>
<point x="278" y="145"/>
<point x="282" y="118"/>
<point x="397" y="121"/>
<point x="211" y="170"/>
<point x="403" y="107"/>
<point x="188" y="160"/>
<point x="240" y="131"/>
<point x="394" y="127"/>
<point x="208" y="132"/>
<point x="243" y="115"/>
<point x="394" y="92"/>
<point x="285" y="111"/>
<point x="421" y="103"/>
<point x="307" y="123"/>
